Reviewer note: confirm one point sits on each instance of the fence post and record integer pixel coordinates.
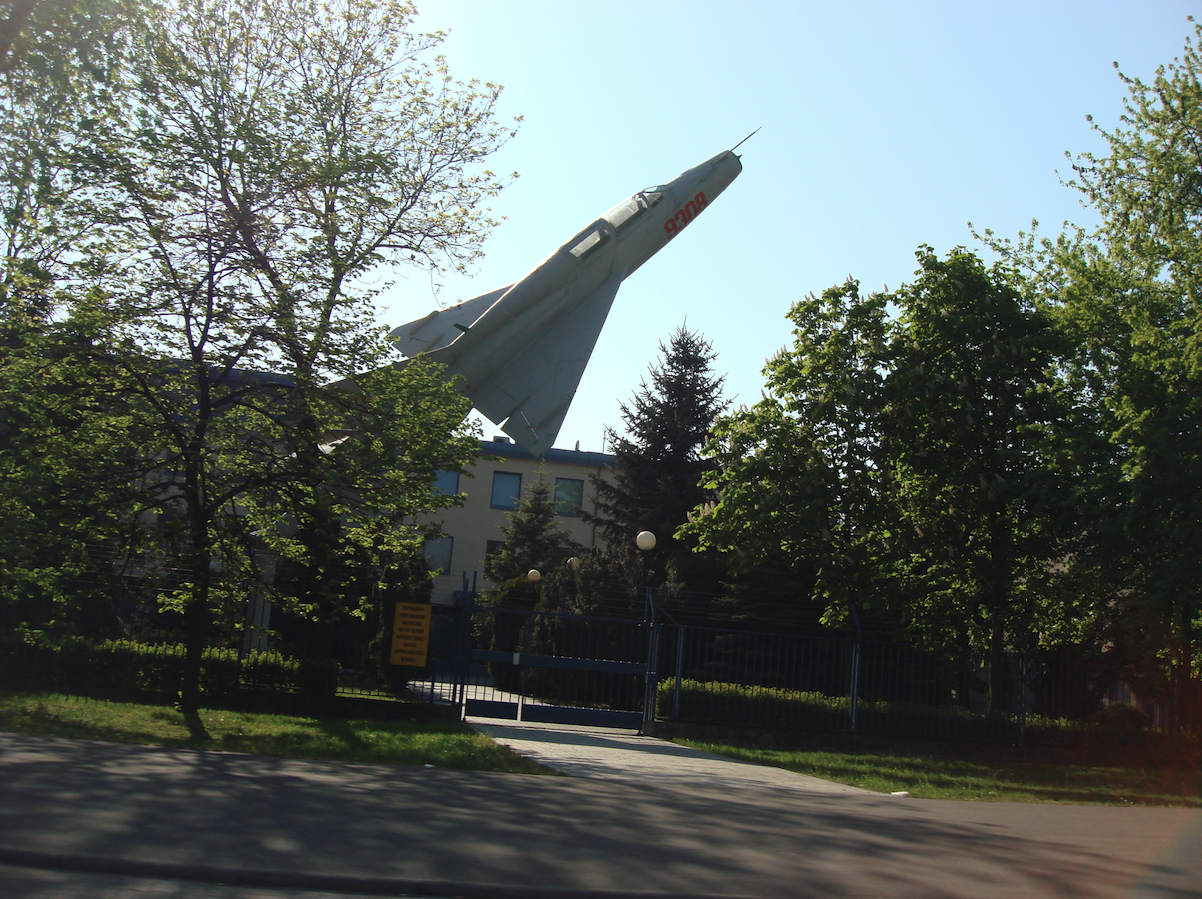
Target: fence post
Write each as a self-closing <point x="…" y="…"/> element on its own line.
<point x="651" y="686"/>
<point x="463" y="636"/>
<point x="679" y="672"/>
<point x="1022" y="697"/>
<point x="854" y="698"/>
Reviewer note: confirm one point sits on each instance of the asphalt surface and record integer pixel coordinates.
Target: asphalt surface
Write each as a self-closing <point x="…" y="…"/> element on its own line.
<point x="93" y="819"/>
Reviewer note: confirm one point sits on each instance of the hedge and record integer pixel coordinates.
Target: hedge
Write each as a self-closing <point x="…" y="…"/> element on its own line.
<point x="741" y="705"/>
<point x="158" y="668"/>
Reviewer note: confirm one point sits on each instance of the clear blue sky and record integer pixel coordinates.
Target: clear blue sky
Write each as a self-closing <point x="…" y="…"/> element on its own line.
<point x="885" y="125"/>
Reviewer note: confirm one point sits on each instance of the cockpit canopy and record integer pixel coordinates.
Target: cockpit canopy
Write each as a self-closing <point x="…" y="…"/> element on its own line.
<point x="629" y="210"/>
<point x="613" y="222"/>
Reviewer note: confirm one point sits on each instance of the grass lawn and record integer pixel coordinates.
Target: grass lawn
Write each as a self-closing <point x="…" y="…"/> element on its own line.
<point x="991" y="776"/>
<point x="444" y="744"/>
<point x="996" y="778"/>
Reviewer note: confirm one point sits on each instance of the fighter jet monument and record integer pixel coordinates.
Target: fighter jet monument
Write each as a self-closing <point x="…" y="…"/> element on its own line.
<point x="522" y="349"/>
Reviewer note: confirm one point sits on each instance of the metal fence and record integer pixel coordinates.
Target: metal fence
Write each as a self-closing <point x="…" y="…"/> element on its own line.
<point x="528" y="664"/>
<point x="716" y="676"/>
<point x="550" y="666"/>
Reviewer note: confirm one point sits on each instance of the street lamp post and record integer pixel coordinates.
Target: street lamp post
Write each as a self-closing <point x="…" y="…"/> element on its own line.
<point x="645" y="541"/>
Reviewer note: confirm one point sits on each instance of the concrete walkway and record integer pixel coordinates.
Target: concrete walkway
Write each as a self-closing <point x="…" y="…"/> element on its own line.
<point x="608" y="754"/>
<point x="276" y="824"/>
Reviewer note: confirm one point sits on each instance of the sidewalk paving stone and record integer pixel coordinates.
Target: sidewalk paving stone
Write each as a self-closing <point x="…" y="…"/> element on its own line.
<point x="608" y="754"/>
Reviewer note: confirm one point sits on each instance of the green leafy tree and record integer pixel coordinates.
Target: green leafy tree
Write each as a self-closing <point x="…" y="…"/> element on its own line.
<point x="659" y="466"/>
<point x="1128" y="293"/>
<point x="67" y="445"/>
<point x="972" y="399"/>
<point x="909" y="463"/>
<point x="15" y="14"/>
<point x="69" y="467"/>
<point x="798" y="475"/>
<point x="263" y="161"/>
<point x="404" y="426"/>
<point x="60" y="68"/>
<point x="1147" y="315"/>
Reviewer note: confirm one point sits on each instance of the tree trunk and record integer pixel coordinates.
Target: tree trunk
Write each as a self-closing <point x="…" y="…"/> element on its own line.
<point x="196" y="620"/>
<point x="997" y="602"/>
<point x="999" y="668"/>
<point x="196" y="613"/>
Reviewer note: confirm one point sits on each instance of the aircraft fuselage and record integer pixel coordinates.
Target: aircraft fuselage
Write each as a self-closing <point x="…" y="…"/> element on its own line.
<point x="558" y="308"/>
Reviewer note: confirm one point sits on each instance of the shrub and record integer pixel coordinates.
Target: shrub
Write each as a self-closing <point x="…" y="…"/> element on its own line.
<point x="741" y="705"/>
<point x="269" y="670"/>
<point x="125" y="665"/>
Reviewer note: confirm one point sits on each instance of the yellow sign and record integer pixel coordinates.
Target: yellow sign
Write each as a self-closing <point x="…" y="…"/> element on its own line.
<point x="411" y="634"/>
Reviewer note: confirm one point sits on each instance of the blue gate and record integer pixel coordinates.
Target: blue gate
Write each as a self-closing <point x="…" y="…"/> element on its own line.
<point x="555" y="667"/>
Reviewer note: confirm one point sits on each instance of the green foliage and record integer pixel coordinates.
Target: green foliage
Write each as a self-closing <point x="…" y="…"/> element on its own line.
<point x="1133" y="291"/>
<point x="659" y="467"/>
<point x="127" y="666"/>
<point x="799" y="473"/>
<point x="743" y="705"/>
<point x="67" y="470"/>
<point x="906" y="462"/>
<point x="194" y="191"/>
<point x="318" y="677"/>
<point x="973" y="400"/>
<point x="534" y="540"/>
<point x="1127" y="296"/>
<point x="60" y="64"/>
<point x="611" y="581"/>
<point x="389" y="432"/>
<point x="64" y="456"/>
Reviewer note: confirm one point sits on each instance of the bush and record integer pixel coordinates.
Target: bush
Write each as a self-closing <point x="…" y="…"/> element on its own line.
<point x="741" y="705"/>
<point x="124" y="665"/>
<point x="269" y="670"/>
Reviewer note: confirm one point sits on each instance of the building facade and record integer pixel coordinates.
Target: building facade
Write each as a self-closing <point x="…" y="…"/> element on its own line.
<point x="499" y="481"/>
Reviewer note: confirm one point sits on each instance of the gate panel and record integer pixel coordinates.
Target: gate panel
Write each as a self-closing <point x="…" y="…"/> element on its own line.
<point x="555" y="667"/>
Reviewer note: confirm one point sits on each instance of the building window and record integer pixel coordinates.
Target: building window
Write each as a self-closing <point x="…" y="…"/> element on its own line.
<point x="506" y="490"/>
<point x="492" y="547"/>
<point x="446" y="483"/>
<point x="438" y="554"/>
<point x="569" y="496"/>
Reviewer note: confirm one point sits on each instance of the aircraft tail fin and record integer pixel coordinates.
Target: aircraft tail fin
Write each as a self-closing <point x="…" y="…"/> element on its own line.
<point x="443" y="327"/>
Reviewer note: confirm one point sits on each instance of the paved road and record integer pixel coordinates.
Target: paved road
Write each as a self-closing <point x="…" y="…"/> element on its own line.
<point x="41" y="883"/>
<point x="422" y="830"/>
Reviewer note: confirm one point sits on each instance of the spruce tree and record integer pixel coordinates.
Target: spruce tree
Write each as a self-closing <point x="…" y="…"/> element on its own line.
<point x="533" y="540"/>
<point x="659" y="463"/>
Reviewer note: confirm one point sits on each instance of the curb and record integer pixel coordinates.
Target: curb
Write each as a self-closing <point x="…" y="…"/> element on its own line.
<point x="299" y="880"/>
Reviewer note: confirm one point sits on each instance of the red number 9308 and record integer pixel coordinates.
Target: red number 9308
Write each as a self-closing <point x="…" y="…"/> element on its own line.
<point x="685" y="215"/>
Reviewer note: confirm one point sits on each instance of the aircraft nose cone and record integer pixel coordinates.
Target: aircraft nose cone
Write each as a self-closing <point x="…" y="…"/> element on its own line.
<point x="727" y="167"/>
<point x="715" y="174"/>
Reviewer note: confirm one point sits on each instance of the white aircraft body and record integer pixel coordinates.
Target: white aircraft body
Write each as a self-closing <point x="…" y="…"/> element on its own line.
<point x="522" y="349"/>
